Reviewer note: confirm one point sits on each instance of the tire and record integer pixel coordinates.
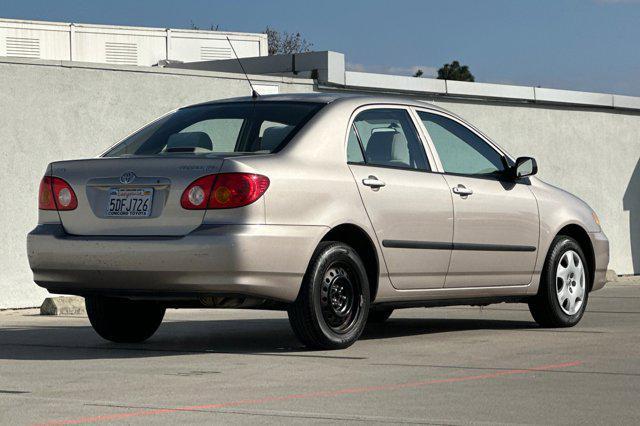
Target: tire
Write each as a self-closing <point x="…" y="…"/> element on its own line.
<point x="332" y="306"/>
<point x="123" y="321"/>
<point x="561" y="280"/>
<point x="379" y="316"/>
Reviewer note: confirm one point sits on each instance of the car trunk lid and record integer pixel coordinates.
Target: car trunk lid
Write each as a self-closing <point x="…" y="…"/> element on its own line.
<point x="112" y="193"/>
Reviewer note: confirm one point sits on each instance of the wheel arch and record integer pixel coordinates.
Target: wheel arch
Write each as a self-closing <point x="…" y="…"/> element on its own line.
<point x="361" y="242"/>
<point x="579" y="234"/>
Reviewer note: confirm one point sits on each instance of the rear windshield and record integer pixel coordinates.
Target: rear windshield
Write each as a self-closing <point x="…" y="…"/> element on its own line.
<point x="245" y="127"/>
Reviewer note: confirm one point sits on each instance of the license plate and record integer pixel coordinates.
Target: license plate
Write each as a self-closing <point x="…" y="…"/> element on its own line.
<point x="130" y="202"/>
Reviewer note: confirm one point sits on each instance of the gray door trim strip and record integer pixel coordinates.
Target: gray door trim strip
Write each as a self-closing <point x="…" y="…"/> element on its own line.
<point x="428" y="245"/>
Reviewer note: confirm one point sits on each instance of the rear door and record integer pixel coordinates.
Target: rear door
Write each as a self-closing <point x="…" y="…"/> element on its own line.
<point x="410" y="208"/>
<point x="496" y="224"/>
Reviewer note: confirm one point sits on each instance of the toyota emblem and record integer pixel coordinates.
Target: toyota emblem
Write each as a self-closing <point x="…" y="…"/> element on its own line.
<point x="127" y="177"/>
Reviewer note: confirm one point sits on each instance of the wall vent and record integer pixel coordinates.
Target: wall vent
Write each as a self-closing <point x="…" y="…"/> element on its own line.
<point x="121" y="53"/>
<point x="23" y="47"/>
<point x="211" y="53"/>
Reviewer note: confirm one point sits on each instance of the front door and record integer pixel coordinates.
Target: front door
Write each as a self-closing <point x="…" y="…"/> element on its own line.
<point x="496" y="223"/>
<point x="410" y="207"/>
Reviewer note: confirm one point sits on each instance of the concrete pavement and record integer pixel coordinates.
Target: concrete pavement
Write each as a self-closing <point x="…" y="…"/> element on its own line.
<point x="426" y="366"/>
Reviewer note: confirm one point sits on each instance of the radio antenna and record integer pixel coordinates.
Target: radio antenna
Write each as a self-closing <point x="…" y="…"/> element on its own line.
<point x="254" y="94"/>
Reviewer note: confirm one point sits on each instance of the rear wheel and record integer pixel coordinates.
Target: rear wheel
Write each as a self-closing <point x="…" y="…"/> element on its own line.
<point x="378" y="316"/>
<point x="562" y="298"/>
<point x="123" y="321"/>
<point x="331" y="309"/>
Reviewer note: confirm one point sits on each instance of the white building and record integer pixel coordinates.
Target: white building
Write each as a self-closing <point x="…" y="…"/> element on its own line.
<point x="116" y="44"/>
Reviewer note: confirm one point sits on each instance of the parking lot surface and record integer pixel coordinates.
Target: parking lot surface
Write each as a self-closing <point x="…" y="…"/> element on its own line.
<point x="426" y="366"/>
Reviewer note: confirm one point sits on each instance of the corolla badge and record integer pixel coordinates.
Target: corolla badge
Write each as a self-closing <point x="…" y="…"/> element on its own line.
<point x="127" y="177"/>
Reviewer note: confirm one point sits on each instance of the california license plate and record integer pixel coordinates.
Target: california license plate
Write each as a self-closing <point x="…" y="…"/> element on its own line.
<point x="130" y="202"/>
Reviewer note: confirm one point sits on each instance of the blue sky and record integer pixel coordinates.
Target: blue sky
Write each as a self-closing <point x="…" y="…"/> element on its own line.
<point x="590" y="45"/>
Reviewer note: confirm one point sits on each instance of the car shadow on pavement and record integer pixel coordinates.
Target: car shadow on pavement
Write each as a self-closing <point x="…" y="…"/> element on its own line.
<point x="268" y="336"/>
<point x="403" y="327"/>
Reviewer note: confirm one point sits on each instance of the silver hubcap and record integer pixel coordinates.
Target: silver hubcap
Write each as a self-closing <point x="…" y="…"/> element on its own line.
<point x="570" y="282"/>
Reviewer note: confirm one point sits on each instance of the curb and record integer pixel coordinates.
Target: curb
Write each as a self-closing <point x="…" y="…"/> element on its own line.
<point x="628" y="280"/>
<point x="72" y="305"/>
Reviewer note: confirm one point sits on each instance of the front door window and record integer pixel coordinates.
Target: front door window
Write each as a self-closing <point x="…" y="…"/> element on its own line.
<point x="460" y="150"/>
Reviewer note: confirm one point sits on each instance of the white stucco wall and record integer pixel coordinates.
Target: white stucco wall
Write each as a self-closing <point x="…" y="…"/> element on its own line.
<point x="61" y="110"/>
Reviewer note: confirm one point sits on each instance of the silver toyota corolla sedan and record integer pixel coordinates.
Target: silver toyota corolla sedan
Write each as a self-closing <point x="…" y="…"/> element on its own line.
<point x="337" y="208"/>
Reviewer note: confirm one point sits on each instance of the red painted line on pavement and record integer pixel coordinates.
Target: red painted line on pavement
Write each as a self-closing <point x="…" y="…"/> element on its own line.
<point x="320" y="394"/>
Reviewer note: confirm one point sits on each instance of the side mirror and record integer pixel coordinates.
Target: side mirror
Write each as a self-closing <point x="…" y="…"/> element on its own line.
<point x="525" y="166"/>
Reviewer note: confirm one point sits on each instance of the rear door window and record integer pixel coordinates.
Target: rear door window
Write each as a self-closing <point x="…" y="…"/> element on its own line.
<point x="390" y="139"/>
<point x="354" y="151"/>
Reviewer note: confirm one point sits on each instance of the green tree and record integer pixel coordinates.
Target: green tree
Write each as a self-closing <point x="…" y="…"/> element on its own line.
<point x="282" y="42"/>
<point x="418" y="73"/>
<point x="212" y="27"/>
<point x="455" y="71"/>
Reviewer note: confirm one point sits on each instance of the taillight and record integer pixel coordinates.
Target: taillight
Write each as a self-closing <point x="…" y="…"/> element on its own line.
<point x="237" y="190"/>
<point x="196" y="196"/>
<point x="224" y="191"/>
<point x="56" y="193"/>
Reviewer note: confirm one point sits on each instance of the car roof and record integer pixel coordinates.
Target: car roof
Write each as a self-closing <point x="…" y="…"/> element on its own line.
<point x="330" y="97"/>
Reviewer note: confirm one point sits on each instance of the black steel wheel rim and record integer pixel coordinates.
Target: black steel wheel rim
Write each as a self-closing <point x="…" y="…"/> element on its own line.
<point x="340" y="297"/>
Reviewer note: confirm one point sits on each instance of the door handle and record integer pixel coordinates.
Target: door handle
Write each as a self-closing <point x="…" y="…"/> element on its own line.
<point x="373" y="182"/>
<point x="462" y="190"/>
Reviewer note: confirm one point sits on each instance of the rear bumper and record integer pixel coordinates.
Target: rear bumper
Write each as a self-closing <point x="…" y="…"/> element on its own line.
<point x="266" y="261"/>
<point x="600" y="245"/>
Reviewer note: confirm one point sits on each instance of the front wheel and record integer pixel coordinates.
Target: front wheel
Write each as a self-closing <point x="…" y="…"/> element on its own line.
<point x="562" y="298"/>
<point x="123" y="321"/>
<point x="331" y="309"/>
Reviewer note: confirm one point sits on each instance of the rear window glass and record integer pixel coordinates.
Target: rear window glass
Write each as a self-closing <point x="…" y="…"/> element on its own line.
<point x="245" y="127"/>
